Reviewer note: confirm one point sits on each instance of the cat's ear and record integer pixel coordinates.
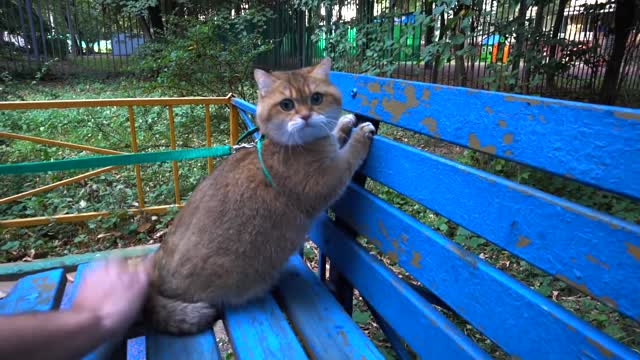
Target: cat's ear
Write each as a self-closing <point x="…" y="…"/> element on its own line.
<point x="322" y="70"/>
<point x="264" y="80"/>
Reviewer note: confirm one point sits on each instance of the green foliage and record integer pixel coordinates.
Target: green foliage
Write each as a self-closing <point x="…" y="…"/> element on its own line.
<point x="129" y="7"/>
<point x="361" y="317"/>
<point x="211" y="57"/>
<point x="498" y="75"/>
<point x="367" y="47"/>
<point x="457" y="30"/>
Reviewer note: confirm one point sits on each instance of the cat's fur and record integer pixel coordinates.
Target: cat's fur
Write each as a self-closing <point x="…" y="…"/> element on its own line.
<point x="230" y="241"/>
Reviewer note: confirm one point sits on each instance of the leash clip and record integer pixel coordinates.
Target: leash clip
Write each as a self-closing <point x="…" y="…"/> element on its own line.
<point x="240" y="146"/>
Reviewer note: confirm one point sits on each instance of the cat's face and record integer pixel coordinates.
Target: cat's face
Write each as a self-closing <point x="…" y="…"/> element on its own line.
<point x="296" y="107"/>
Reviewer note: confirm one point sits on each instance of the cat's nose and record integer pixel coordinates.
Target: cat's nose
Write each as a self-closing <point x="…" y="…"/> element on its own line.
<point x="305" y="115"/>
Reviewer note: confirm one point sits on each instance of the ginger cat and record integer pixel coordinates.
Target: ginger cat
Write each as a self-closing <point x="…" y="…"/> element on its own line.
<point x="232" y="238"/>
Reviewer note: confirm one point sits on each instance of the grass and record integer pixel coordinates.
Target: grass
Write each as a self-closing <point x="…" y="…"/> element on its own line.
<point x="105" y="128"/>
<point x="109" y="128"/>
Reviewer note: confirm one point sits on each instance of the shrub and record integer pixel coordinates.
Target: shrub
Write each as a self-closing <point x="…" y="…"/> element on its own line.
<point x="210" y="57"/>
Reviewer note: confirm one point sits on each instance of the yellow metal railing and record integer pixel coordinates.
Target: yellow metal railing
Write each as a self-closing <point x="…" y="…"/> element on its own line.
<point x="129" y="103"/>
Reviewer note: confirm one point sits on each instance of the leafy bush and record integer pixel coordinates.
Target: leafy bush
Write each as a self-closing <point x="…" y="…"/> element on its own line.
<point x="369" y="47"/>
<point x="210" y="57"/>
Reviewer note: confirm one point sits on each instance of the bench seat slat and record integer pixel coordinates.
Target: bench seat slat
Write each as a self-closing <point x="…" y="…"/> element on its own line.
<point x="592" y="143"/>
<point x="560" y="237"/>
<point x="108" y="348"/>
<point x="259" y="330"/>
<point x="489" y="299"/>
<point x="37" y="292"/>
<point x="327" y="330"/>
<point x="189" y="347"/>
<point x="428" y="332"/>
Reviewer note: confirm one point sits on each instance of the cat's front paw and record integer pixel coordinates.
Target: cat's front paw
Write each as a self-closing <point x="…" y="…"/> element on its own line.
<point x="367" y="129"/>
<point x="342" y="131"/>
<point x="347" y="121"/>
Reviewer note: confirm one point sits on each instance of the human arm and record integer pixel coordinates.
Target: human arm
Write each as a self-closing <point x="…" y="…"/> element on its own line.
<point x="109" y="298"/>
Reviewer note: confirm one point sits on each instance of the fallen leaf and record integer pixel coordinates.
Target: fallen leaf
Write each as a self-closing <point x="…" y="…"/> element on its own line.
<point x="159" y="233"/>
<point x="144" y="227"/>
<point x="114" y="234"/>
<point x="30" y="254"/>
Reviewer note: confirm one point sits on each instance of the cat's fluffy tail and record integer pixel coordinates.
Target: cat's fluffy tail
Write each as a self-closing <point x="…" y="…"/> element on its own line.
<point x="176" y="317"/>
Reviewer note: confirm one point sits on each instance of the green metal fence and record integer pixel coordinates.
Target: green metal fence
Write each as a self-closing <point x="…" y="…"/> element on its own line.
<point x="88" y="37"/>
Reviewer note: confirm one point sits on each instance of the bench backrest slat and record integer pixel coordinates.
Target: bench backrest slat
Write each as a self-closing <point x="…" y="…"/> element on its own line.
<point x="486" y="297"/>
<point x="425" y="329"/>
<point x="560" y="237"/>
<point x="594" y="144"/>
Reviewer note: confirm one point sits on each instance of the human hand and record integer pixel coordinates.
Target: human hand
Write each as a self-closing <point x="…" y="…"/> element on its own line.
<point x="114" y="291"/>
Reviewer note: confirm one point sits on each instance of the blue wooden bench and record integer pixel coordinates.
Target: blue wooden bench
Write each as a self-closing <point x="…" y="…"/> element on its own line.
<point x="307" y="315"/>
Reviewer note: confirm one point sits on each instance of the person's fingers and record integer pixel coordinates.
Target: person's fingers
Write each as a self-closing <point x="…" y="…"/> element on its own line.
<point x="147" y="263"/>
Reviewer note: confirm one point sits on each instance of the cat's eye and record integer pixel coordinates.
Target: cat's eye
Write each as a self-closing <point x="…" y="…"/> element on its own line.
<point x="316" y="99"/>
<point x="287" y="105"/>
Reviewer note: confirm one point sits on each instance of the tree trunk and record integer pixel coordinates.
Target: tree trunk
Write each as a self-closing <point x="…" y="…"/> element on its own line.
<point x="22" y="26"/>
<point x="146" y="31"/>
<point x="595" y="50"/>
<point x="75" y="47"/>
<point x="428" y="11"/>
<point x="429" y="33"/>
<point x="475" y="20"/>
<point x="32" y="30"/>
<point x="155" y="17"/>
<point x="328" y="18"/>
<point x="537" y="32"/>
<point x="436" y="62"/>
<point x="624" y="18"/>
<point x="520" y="37"/>
<point x="459" y="70"/>
<point x="553" y="49"/>
<point x="89" y="47"/>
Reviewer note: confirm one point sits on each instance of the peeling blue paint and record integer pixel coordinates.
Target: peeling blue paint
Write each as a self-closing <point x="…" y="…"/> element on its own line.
<point x="515" y="317"/>
<point x="593" y="143"/>
<point x="429" y="333"/>
<point x="546" y="230"/>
